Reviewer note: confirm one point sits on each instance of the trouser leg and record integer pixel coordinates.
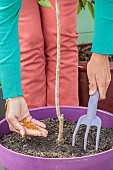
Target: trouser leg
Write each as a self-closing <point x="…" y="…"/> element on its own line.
<point x="69" y="53"/>
<point x="32" y="55"/>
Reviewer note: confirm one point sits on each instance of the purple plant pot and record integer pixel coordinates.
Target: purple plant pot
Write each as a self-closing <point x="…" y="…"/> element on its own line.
<point x="16" y="161"/>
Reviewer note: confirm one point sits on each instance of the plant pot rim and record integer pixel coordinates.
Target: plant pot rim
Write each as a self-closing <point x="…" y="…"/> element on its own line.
<point x="70" y="158"/>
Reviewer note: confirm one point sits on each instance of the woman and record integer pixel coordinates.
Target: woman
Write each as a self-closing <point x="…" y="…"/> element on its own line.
<point x="10" y="70"/>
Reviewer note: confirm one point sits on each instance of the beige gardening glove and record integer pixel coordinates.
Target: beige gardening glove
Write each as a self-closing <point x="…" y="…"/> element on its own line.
<point x="99" y="75"/>
<point x="19" y="119"/>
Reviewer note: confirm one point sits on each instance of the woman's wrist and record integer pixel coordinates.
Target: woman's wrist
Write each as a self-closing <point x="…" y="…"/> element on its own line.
<point x="99" y="57"/>
<point x="13" y="98"/>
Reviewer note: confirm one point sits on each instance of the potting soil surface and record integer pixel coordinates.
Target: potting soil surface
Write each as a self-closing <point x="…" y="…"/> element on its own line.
<point x="47" y="147"/>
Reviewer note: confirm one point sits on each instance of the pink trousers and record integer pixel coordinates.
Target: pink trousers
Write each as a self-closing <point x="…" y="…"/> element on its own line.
<point x="37" y="32"/>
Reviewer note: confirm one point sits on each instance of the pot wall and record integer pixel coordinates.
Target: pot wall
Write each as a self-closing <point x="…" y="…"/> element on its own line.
<point x="106" y="104"/>
<point x="2" y="105"/>
<point x="15" y="161"/>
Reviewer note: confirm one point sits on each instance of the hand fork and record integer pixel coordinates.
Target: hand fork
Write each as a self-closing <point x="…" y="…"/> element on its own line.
<point x="90" y="119"/>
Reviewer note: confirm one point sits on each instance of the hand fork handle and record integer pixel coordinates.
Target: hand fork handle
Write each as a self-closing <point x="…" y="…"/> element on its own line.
<point x="92" y="105"/>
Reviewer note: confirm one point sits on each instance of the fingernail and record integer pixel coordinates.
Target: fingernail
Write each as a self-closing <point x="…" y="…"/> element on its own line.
<point x="102" y="97"/>
<point x="91" y="92"/>
<point x="22" y="133"/>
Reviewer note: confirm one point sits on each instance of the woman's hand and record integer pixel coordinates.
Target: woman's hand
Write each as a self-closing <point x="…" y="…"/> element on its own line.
<point x="16" y="111"/>
<point x="99" y="75"/>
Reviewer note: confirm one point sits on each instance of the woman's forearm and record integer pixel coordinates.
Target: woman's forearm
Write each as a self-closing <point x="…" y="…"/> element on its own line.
<point x="9" y="49"/>
<point x="103" y="27"/>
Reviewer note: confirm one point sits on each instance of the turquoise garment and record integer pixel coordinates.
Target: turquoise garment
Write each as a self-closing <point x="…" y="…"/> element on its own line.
<point x="103" y="27"/>
<point x="10" y="77"/>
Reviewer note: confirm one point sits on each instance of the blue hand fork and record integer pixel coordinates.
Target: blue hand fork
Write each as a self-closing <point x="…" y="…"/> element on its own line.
<point x="90" y="119"/>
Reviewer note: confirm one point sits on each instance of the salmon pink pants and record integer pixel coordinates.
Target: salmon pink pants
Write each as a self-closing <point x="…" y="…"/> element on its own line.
<point x="37" y="32"/>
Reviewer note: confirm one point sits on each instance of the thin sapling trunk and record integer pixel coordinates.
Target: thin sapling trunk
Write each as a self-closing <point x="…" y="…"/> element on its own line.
<point x="59" y="115"/>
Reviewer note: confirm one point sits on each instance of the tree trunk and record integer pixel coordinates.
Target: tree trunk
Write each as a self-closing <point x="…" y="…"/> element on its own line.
<point x="59" y="115"/>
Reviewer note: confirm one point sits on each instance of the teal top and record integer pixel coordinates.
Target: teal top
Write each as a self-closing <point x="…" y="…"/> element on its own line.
<point x="9" y="48"/>
<point x="103" y="27"/>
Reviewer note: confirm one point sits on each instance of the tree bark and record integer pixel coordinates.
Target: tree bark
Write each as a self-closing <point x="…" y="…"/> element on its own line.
<point x="59" y="115"/>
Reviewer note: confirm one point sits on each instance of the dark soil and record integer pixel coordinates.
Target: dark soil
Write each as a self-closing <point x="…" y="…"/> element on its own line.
<point x="47" y="147"/>
<point x="85" y="54"/>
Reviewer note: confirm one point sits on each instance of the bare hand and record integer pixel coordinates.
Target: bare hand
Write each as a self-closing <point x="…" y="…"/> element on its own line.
<point x="99" y="75"/>
<point x="16" y="111"/>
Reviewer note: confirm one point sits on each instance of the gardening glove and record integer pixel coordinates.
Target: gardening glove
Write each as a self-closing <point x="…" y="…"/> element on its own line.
<point x="19" y="119"/>
<point x="99" y="76"/>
